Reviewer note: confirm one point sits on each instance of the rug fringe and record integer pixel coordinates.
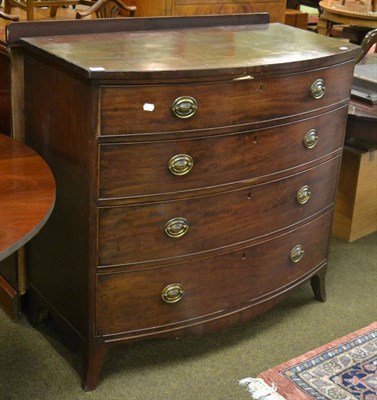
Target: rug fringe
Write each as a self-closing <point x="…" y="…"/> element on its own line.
<point x="260" y="390"/>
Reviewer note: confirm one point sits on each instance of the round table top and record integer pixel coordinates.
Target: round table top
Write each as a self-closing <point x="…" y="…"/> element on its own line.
<point x="353" y="12"/>
<point x="27" y="194"/>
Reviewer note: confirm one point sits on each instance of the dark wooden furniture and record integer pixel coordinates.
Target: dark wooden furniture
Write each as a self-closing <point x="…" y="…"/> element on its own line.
<point x="362" y="114"/>
<point x="27" y="195"/>
<point x="152" y="8"/>
<point x="196" y="171"/>
<point x="5" y="84"/>
<point x="362" y="121"/>
<point x="9" y="279"/>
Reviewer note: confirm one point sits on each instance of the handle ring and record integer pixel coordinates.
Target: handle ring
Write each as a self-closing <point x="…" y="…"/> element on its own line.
<point x="173" y="293"/>
<point x="181" y="164"/>
<point x="184" y="107"/>
<point x="297" y="253"/>
<point x="303" y="195"/>
<point x="310" y="139"/>
<point x="318" y="89"/>
<point x="176" y="227"/>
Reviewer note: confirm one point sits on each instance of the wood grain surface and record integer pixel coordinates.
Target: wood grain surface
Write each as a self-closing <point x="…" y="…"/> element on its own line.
<point x="27" y="194"/>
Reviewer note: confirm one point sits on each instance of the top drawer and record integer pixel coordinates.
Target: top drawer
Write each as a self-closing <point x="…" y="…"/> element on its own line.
<point x="135" y="109"/>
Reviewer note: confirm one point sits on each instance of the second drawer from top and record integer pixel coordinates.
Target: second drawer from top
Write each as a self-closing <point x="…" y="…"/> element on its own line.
<point x="129" y="170"/>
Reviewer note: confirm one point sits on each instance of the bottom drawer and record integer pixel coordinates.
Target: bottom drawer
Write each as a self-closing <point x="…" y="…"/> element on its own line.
<point x="133" y="300"/>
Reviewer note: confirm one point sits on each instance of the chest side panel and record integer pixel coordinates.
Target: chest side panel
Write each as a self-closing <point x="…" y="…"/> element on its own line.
<point x="60" y="124"/>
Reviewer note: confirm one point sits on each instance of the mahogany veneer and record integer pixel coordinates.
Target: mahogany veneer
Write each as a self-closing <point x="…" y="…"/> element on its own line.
<point x="27" y="195"/>
<point x="5" y="101"/>
<point x="196" y="172"/>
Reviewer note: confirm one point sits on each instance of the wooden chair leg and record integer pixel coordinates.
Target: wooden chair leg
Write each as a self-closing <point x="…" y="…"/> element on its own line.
<point x="53" y="11"/>
<point x="7" y="7"/>
<point x="30" y="10"/>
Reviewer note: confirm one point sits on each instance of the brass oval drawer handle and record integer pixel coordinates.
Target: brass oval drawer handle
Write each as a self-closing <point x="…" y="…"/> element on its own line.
<point x="297" y="253"/>
<point x="181" y="164"/>
<point x="318" y="88"/>
<point x="310" y="139"/>
<point x="184" y="107"/>
<point x="176" y="227"/>
<point x="303" y="195"/>
<point x="173" y="293"/>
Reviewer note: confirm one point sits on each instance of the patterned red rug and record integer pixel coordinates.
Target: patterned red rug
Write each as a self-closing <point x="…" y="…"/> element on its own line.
<point x="345" y="369"/>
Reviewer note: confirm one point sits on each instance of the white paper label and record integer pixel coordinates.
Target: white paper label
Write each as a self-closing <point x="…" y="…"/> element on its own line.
<point x="148" y="107"/>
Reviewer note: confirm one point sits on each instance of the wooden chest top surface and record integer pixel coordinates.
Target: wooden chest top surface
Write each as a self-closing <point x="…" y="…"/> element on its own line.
<point x="200" y="52"/>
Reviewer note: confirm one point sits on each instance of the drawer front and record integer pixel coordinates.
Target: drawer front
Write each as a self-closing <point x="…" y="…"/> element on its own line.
<point x="154" y="232"/>
<point x="132" y="301"/>
<point x="167" y="108"/>
<point x="144" y="169"/>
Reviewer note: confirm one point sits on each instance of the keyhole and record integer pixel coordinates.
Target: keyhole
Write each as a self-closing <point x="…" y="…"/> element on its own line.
<point x="249" y="196"/>
<point x="255" y="139"/>
<point x="244" y="256"/>
<point x="260" y="88"/>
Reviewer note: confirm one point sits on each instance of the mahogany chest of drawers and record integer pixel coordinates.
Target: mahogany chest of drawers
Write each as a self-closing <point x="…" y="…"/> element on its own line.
<point x="196" y="171"/>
